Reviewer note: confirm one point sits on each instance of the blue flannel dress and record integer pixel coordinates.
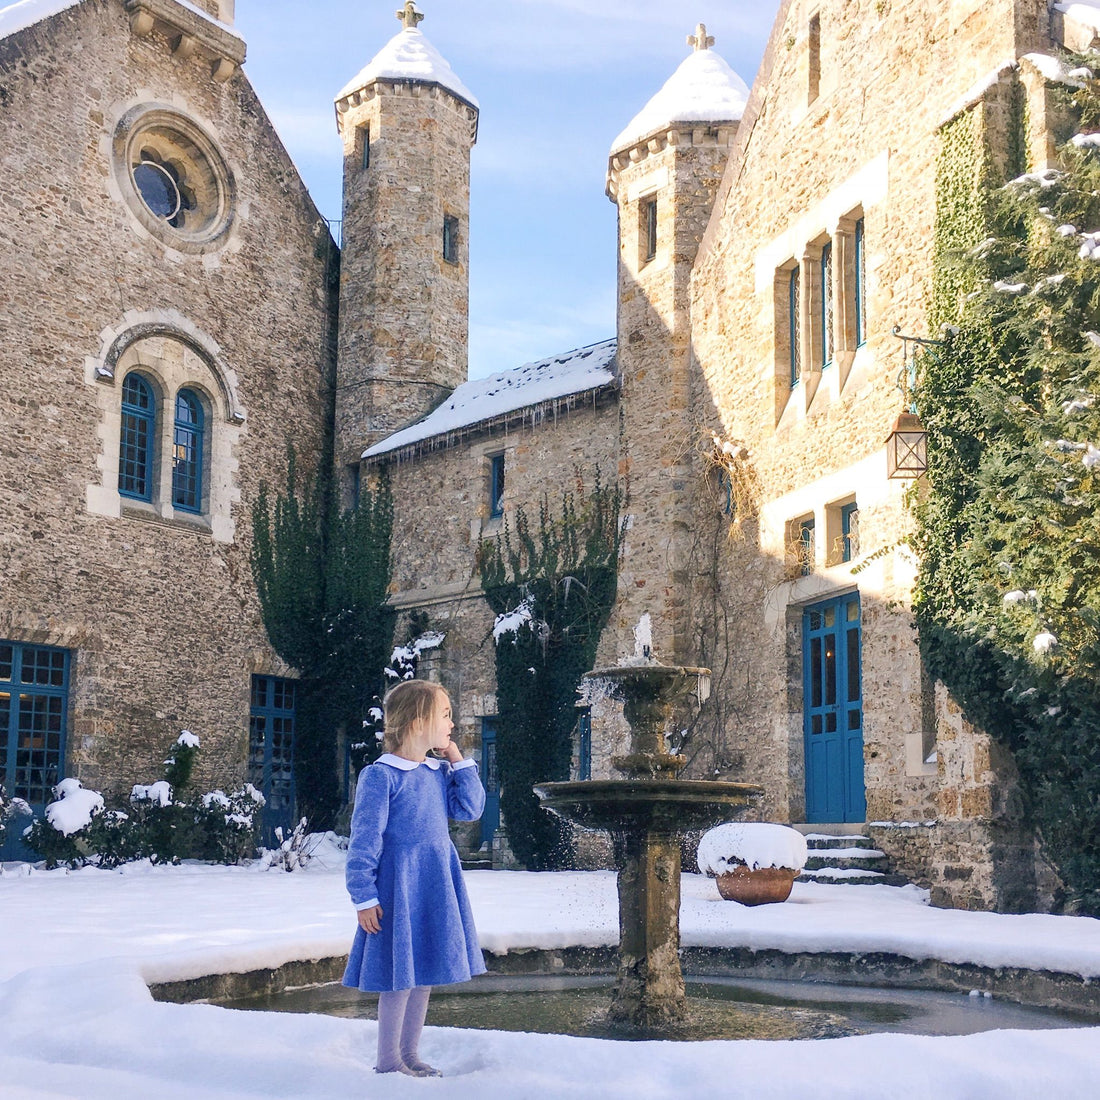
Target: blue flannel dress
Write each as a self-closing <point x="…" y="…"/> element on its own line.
<point x="401" y="855"/>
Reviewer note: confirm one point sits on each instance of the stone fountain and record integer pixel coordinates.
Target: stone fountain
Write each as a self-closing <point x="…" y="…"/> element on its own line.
<point x="646" y="812"/>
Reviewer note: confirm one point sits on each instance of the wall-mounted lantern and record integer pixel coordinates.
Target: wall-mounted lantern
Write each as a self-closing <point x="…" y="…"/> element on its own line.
<point x="907" y="443"/>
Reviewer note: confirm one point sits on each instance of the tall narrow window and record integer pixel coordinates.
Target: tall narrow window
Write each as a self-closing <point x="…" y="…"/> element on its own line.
<point x="135" y="456"/>
<point x="187" y="453"/>
<point x="861" y="284"/>
<point x="496" y="486"/>
<point x="271" y="751"/>
<point x="649" y="230"/>
<point x="584" y="743"/>
<point x="827" y="305"/>
<point x="814" y="38"/>
<point x="793" y="299"/>
<point x="365" y="138"/>
<point x="450" y="240"/>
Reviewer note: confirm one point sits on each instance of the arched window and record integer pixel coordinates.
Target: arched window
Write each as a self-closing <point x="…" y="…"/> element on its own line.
<point x="187" y="453"/>
<point x="135" y="456"/>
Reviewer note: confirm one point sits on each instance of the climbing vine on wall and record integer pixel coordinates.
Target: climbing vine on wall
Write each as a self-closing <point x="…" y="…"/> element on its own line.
<point x="551" y="581"/>
<point x="322" y="575"/>
<point x="1008" y="596"/>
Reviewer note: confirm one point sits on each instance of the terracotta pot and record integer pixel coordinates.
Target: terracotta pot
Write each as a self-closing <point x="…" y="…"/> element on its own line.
<point x="759" y="887"/>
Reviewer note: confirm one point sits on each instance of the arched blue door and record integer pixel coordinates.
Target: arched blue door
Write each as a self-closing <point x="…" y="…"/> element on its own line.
<point x="833" y="710"/>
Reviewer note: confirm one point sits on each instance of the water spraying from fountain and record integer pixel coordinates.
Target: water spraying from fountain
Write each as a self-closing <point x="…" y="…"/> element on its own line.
<point x="646" y="813"/>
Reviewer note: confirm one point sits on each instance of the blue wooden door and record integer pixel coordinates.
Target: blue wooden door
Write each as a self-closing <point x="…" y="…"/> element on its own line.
<point x="490" y="818"/>
<point x="271" y="753"/>
<point x="833" y="710"/>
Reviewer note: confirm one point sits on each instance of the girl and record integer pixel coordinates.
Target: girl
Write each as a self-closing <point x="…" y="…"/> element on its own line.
<point x="403" y="874"/>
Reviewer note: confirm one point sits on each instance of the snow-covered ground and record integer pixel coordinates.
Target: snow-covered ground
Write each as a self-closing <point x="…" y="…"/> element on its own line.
<point x="78" y="949"/>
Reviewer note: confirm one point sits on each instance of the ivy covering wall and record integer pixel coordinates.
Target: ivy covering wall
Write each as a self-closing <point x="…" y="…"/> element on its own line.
<point x="1008" y="596"/>
<point x="551" y="581"/>
<point x="322" y="576"/>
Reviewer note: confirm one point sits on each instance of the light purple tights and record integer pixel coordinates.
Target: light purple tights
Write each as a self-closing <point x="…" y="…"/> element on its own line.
<point x="400" y="1022"/>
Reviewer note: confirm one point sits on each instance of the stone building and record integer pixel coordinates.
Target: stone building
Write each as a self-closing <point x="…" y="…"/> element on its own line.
<point x="770" y="244"/>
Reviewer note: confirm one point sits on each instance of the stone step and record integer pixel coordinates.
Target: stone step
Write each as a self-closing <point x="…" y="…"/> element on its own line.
<point x="856" y="876"/>
<point x="477" y="863"/>
<point x="848" y="859"/>
<point x="815" y="841"/>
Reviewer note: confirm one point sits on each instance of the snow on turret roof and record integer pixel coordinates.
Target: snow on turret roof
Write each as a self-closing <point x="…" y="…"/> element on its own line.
<point x="485" y="399"/>
<point x="25" y="13"/>
<point x="703" y="89"/>
<point x="410" y="56"/>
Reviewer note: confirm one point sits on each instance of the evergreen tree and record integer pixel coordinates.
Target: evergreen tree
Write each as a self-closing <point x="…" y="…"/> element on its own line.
<point x="323" y="576"/>
<point x="564" y="575"/>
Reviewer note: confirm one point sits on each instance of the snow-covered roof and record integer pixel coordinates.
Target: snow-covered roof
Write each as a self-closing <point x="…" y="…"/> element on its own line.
<point x="703" y="89"/>
<point x="529" y="392"/>
<point x="409" y="56"/>
<point x="1085" y="12"/>
<point x="25" y="13"/>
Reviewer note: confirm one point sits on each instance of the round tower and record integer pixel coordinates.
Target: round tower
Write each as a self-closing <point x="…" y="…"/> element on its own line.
<point x="663" y="174"/>
<point x="408" y="124"/>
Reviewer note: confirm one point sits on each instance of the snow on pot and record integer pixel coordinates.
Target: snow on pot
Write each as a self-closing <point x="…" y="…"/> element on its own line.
<point x="753" y="863"/>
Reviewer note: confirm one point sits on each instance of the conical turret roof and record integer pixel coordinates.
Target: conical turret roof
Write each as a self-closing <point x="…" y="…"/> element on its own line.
<point x="703" y="89"/>
<point x="409" y="56"/>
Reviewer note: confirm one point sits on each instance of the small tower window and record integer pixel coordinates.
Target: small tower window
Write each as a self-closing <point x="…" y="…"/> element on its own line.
<point x="814" y="37"/>
<point x="496" y="486"/>
<point x="135" y="459"/>
<point x="187" y="453"/>
<point x="649" y="230"/>
<point x="364" y="137"/>
<point x="450" y="240"/>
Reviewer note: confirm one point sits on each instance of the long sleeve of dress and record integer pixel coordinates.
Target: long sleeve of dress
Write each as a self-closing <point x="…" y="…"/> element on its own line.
<point x="368" y="822"/>
<point x="465" y="794"/>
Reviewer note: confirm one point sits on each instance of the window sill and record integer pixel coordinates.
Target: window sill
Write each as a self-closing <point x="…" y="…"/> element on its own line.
<point x="180" y="521"/>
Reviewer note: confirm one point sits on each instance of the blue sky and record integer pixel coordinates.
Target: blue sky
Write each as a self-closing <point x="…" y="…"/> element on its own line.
<point x="556" y="80"/>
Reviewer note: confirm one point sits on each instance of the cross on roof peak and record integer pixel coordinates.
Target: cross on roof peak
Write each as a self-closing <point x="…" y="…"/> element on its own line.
<point x="700" y="39"/>
<point x="409" y="16"/>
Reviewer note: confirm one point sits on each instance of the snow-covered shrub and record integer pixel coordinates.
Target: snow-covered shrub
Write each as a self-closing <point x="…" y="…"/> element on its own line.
<point x="113" y="839"/>
<point x="11" y="808"/>
<point x="753" y="845"/>
<point x="61" y="835"/>
<point x="165" y="828"/>
<point x="293" y="852"/>
<point x="227" y="824"/>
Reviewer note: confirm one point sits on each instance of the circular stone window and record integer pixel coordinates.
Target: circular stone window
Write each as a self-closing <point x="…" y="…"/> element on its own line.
<point x="174" y="179"/>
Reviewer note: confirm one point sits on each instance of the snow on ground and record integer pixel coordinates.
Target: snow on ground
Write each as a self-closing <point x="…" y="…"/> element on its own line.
<point x="77" y="1020"/>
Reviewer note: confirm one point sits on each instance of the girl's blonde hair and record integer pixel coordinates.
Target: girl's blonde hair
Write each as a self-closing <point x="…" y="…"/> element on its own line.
<point x="411" y="703"/>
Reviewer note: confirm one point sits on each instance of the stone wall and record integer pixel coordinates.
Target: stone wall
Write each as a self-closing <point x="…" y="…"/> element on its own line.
<point x="156" y="606"/>
<point x="842" y="136"/>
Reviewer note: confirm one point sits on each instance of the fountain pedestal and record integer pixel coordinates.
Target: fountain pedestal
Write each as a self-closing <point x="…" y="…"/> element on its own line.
<point x="646" y="813"/>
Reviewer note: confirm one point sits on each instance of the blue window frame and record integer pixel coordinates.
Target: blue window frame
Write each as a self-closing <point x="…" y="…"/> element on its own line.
<point x="849" y="531"/>
<point x="827" y="306"/>
<point x="135" y="456"/>
<point x="271" y="751"/>
<point x="806" y="546"/>
<point x="187" y="448"/>
<point x="861" y="284"/>
<point x="793" y="299"/>
<point x="496" y="485"/>
<point x="34" y="704"/>
<point x="584" y="743"/>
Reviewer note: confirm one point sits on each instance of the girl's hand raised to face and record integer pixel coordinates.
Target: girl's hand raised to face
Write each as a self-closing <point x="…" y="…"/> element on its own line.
<point x="370" y="920"/>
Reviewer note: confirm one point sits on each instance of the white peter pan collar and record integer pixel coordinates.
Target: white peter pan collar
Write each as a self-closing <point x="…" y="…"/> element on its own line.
<point x="404" y="765"/>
